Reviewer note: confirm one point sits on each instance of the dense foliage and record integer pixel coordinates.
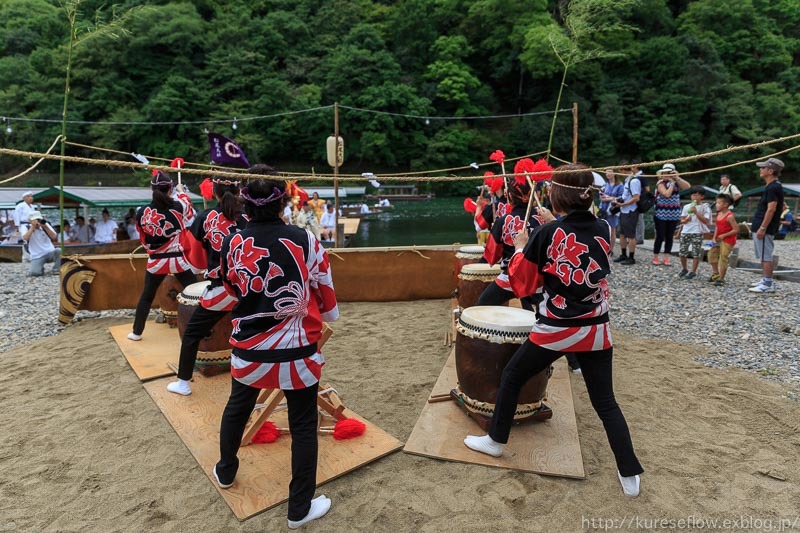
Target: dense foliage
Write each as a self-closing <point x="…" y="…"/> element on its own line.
<point x="676" y="77"/>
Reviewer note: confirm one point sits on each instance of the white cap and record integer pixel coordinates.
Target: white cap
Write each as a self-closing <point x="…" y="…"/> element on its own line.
<point x="35" y="215"/>
<point x="668" y="168"/>
<point x="27" y="193"/>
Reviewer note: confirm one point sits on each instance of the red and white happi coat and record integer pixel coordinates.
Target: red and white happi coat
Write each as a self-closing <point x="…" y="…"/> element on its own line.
<point x="568" y="259"/>
<point x="500" y="244"/>
<point x="160" y="233"/>
<point x="485" y="217"/>
<point x="210" y="228"/>
<point x="281" y="276"/>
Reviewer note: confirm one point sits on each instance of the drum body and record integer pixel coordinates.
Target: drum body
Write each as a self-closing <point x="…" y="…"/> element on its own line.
<point x="473" y="280"/>
<point x="167" y="299"/>
<point x="467" y="255"/>
<point x="214" y="353"/>
<point x="487" y="338"/>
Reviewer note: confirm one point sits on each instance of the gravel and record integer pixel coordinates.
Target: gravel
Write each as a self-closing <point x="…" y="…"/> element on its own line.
<point x="757" y="332"/>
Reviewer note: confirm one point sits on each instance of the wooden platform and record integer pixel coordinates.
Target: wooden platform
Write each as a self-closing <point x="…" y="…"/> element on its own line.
<point x="550" y="448"/>
<point x="264" y="469"/>
<point x="150" y="356"/>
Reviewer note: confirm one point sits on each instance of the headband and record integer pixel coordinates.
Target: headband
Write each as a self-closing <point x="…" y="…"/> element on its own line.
<point x="277" y="194"/>
<point x="225" y="182"/>
<point x="584" y="194"/>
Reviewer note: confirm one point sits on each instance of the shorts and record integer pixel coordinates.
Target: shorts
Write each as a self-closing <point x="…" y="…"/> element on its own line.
<point x="764" y="248"/>
<point x="693" y="241"/>
<point x="627" y="224"/>
<point x="720" y="253"/>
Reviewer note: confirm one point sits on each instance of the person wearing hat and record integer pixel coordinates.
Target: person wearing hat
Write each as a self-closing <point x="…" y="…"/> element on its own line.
<point x="40" y="236"/>
<point x="766" y="221"/>
<point x="22" y="212"/>
<point x="667" y="211"/>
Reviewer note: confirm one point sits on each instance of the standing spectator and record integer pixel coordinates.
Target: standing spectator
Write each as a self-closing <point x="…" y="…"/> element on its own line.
<point x="608" y="195"/>
<point x="788" y="223"/>
<point x="83" y="233"/>
<point x="668" y="210"/>
<point x="645" y="188"/>
<point x="22" y="212"/>
<point x="694" y="217"/>
<point x="725" y="233"/>
<point x="105" y="231"/>
<point x="130" y="227"/>
<point x="40" y="236"/>
<point x="766" y="219"/>
<point x="628" y="218"/>
<point x="726" y="187"/>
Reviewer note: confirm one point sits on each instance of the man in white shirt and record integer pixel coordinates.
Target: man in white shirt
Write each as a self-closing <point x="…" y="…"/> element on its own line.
<point x="22" y="212"/>
<point x="364" y="210"/>
<point x="726" y="187"/>
<point x="328" y="223"/>
<point x="105" y="230"/>
<point x="40" y="236"/>
<point x="83" y="233"/>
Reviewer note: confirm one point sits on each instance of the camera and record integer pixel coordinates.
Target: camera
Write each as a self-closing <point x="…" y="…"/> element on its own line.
<point x="614" y="209"/>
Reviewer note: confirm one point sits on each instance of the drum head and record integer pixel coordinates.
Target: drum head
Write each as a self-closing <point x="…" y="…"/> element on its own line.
<point x="195" y="290"/>
<point x="481" y="269"/>
<point x="474" y="250"/>
<point x="494" y="318"/>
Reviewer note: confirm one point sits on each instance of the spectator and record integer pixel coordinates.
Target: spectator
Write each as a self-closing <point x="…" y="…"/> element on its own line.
<point x="726" y="187"/>
<point x="328" y="223"/>
<point x="306" y="219"/>
<point x="67" y="234"/>
<point x="364" y="209"/>
<point x="645" y="187"/>
<point x="608" y="195"/>
<point x="105" y="231"/>
<point x="767" y="220"/>
<point x="694" y="217"/>
<point x="667" y="213"/>
<point x="788" y="223"/>
<point x="628" y="218"/>
<point x="40" y="236"/>
<point x="725" y="233"/>
<point x="83" y="233"/>
<point x="317" y="204"/>
<point x="22" y="212"/>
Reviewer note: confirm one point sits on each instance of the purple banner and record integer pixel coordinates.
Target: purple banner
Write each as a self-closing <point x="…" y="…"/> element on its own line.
<point x="226" y="152"/>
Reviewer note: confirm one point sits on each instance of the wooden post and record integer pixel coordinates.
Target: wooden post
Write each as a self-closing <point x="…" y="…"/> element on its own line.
<point x="574" y="132"/>
<point x="339" y="238"/>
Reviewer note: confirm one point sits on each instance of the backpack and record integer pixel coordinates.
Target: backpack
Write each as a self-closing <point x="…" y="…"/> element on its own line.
<point x="646" y="199"/>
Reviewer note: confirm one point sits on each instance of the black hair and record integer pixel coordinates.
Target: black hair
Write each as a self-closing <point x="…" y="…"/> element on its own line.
<point x="697" y="189"/>
<point x="264" y="188"/>
<point x="105" y="211"/>
<point x="518" y="193"/>
<point x="161" y="185"/>
<point x="572" y="190"/>
<point x="228" y="194"/>
<point x="726" y="197"/>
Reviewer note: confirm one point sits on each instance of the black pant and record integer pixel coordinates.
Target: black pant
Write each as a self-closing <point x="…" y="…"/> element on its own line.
<point x="198" y="328"/>
<point x="493" y="294"/>
<point x="531" y="359"/>
<point x="151" y="284"/>
<point x="302" y="405"/>
<point x="665" y="231"/>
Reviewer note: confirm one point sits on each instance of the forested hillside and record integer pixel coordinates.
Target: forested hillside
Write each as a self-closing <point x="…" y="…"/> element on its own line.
<point x="662" y="78"/>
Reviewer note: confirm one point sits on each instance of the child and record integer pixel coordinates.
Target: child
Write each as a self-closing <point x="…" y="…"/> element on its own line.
<point x="694" y="218"/>
<point x="724" y="240"/>
<point x="568" y="259"/>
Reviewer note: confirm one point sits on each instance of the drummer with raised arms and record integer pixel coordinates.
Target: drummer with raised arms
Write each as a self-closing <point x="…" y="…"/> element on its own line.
<point x="496" y="206"/>
<point x="568" y="258"/>
<point x="160" y="225"/>
<point x="210" y="228"/>
<point x="500" y="245"/>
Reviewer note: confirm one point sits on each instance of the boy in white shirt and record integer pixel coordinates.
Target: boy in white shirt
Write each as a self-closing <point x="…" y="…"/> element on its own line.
<point x="694" y="217"/>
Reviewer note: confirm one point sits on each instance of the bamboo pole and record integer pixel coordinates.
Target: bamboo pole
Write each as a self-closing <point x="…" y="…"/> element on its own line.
<point x="574" y="132"/>
<point x="339" y="238"/>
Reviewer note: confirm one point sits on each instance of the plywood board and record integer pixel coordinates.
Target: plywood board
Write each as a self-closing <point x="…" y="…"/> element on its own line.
<point x="149" y="358"/>
<point x="264" y="472"/>
<point x="551" y="447"/>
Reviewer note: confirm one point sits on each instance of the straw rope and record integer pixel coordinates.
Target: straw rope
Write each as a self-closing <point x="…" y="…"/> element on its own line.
<point x="12" y="178"/>
<point x="404" y="177"/>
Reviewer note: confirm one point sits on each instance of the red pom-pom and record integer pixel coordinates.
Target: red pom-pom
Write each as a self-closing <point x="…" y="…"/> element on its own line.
<point x="487" y="177"/>
<point x="497" y="184"/>
<point x="207" y="189"/>
<point x="542" y="166"/>
<point x="267" y="433"/>
<point x="348" y="428"/>
<point x="177" y="162"/>
<point x="521" y="169"/>
<point x="469" y="205"/>
<point x="498" y="156"/>
<point x="154" y="172"/>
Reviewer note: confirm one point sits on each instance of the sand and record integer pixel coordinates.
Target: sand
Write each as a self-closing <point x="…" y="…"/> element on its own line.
<point x="82" y="446"/>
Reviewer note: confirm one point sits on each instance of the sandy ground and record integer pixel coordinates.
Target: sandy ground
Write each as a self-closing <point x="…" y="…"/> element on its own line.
<point x="83" y="448"/>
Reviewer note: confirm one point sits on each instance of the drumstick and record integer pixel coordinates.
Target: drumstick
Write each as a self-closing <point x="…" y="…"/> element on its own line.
<point x="530" y="203"/>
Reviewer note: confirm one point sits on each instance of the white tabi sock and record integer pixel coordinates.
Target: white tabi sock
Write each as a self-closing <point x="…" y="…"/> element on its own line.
<point x="319" y="507"/>
<point x="134" y="337"/>
<point x="180" y="387"/>
<point x="485" y="445"/>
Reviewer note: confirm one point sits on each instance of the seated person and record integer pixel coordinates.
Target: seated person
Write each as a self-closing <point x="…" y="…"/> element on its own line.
<point x="364" y="208"/>
<point x="306" y="219"/>
<point x="328" y="223"/>
<point x="384" y="202"/>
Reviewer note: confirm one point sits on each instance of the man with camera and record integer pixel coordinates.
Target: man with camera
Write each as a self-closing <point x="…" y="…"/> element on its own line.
<point x="628" y="218"/>
<point x="40" y="237"/>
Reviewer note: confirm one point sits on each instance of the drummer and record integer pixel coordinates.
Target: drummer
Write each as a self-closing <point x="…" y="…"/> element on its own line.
<point x="160" y="225"/>
<point x="210" y="228"/>
<point x="500" y="245"/>
<point x="496" y="206"/>
<point x="569" y="260"/>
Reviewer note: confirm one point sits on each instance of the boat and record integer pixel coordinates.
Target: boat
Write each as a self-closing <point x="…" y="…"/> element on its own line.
<point x="12" y="253"/>
<point x="355" y="212"/>
<point x="403" y="193"/>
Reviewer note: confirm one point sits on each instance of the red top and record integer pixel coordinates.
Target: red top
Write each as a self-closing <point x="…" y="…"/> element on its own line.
<point x="724" y="226"/>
